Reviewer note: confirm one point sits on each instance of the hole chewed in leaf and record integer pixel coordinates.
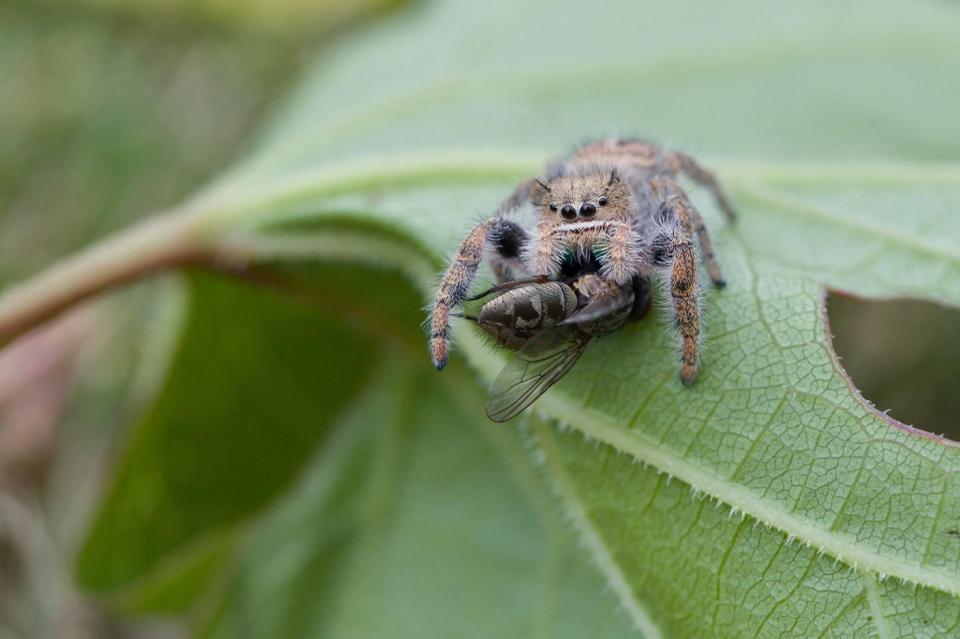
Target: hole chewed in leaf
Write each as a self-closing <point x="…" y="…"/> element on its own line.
<point x="901" y="357"/>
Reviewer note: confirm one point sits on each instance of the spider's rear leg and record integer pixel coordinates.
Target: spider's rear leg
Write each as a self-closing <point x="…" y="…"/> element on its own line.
<point x="647" y="156"/>
<point x="679" y="206"/>
<point x="681" y="162"/>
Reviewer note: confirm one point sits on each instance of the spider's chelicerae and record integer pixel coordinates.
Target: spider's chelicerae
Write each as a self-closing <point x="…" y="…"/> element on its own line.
<point x="613" y="205"/>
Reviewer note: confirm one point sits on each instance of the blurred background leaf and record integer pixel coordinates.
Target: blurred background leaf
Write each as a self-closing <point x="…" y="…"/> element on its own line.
<point x="114" y="108"/>
<point x="109" y="110"/>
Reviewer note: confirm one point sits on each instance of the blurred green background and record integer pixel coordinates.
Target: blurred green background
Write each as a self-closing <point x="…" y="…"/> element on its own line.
<point x="111" y="109"/>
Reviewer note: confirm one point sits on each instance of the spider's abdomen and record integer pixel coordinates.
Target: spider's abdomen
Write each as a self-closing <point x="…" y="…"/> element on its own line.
<point x="631" y="151"/>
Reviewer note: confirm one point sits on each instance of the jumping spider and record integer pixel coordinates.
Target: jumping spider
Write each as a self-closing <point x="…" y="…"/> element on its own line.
<point x="613" y="205"/>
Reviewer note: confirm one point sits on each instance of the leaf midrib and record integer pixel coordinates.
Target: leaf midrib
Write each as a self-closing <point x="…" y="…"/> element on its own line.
<point x="604" y="559"/>
<point x="238" y="207"/>
<point x="876" y="609"/>
<point x="739" y="498"/>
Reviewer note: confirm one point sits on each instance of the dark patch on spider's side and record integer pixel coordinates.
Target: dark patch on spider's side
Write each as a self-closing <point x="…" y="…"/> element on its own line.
<point x="510" y="240"/>
<point x="898" y="356"/>
<point x="953" y="532"/>
<point x="662" y="251"/>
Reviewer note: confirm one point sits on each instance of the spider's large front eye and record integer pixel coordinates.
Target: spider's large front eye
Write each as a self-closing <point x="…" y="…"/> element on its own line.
<point x="602" y="201"/>
<point x="553" y="207"/>
<point x="568" y="212"/>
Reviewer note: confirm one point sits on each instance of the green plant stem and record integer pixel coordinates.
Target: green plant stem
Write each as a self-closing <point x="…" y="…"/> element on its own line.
<point x="155" y="245"/>
<point x="189" y="234"/>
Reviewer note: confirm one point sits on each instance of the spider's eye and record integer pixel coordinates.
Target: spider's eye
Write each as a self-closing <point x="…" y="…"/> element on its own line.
<point x="568" y="212"/>
<point x="602" y="201"/>
<point x="553" y="207"/>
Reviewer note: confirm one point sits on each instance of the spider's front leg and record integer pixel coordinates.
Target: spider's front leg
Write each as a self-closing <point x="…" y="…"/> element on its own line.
<point x="508" y="240"/>
<point x="686" y="305"/>
<point x="678" y="206"/>
<point x="675" y="247"/>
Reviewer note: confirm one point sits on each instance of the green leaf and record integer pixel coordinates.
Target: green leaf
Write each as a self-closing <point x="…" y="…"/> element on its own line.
<point x="420" y="514"/>
<point x="692" y="556"/>
<point x="211" y="450"/>
<point x="795" y="507"/>
<point x="396" y="477"/>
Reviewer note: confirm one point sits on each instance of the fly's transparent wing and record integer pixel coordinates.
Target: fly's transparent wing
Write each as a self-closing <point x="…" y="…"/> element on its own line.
<point x="536" y="367"/>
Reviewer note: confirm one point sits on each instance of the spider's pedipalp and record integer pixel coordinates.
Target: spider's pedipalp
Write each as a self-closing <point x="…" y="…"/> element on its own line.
<point x="544" y="254"/>
<point x="621" y="254"/>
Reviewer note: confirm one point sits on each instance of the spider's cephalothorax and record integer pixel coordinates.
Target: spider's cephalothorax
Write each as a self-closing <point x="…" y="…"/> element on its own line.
<point x="614" y="204"/>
